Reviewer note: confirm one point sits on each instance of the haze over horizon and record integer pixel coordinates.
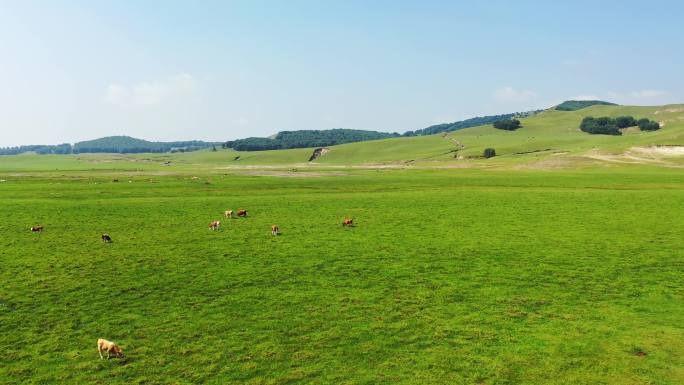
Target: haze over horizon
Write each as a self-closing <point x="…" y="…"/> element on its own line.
<point x="167" y="71"/>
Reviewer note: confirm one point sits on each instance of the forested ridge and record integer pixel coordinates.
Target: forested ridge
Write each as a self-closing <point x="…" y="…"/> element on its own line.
<point x="321" y="138"/>
<point x="574" y="105"/>
<point x="110" y="144"/>
<point x="306" y="138"/>
<point x="472" y="122"/>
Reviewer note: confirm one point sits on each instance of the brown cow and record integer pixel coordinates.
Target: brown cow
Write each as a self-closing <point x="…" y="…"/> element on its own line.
<point x="110" y="347"/>
<point x="348" y="222"/>
<point x="242" y="213"/>
<point x="37" y="229"/>
<point x="106" y="238"/>
<point x="215" y="225"/>
<point x="274" y="230"/>
<point x="228" y="213"/>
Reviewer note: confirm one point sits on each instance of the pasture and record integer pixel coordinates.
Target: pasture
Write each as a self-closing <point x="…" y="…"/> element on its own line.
<point x="449" y="277"/>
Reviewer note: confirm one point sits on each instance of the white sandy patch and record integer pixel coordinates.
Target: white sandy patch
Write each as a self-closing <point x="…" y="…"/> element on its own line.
<point x="669" y="110"/>
<point x="667" y="151"/>
<point x="655" y="155"/>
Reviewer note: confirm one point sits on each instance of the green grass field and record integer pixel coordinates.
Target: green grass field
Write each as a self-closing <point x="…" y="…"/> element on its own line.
<point x="450" y="277"/>
<point x="560" y="261"/>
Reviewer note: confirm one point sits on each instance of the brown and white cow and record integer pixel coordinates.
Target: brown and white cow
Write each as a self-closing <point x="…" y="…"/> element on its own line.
<point x="109" y="347"/>
<point x="215" y="225"/>
<point x="348" y="222"/>
<point x="228" y="213"/>
<point x="275" y="230"/>
<point x="106" y="238"/>
<point x="242" y="213"/>
<point x="37" y="229"/>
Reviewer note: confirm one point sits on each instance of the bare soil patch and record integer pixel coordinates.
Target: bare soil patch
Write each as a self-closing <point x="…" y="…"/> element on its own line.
<point x="666" y="151"/>
<point x="317" y="153"/>
<point x="655" y="155"/>
<point x="669" y="110"/>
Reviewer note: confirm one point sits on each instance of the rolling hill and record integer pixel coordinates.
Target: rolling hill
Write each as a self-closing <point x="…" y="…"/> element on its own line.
<point x="126" y="144"/>
<point x="110" y="144"/>
<point x="550" y="135"/>
<point x="467" y="123"/>
<point x="320" y="138"/>
<point x="574" y="105"/>
<point x="549" y="139"/>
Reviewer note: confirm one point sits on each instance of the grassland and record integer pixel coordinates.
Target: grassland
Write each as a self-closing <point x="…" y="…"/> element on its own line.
<point x="450" y="277"/>
<point x="560" y="261"/>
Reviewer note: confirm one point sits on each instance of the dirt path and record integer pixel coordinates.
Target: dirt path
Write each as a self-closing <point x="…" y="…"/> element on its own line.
<point x="459" y="146"/>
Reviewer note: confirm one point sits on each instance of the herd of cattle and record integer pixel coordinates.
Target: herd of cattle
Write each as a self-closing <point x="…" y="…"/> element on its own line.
<point x="111" y="348"/>
<point x="215" y="225"/>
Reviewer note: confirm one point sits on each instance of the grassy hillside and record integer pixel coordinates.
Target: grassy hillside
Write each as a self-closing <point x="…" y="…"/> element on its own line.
<point x="558" y="132"/>
<point x="551" y="137"/>
<point x="551" y="134"/>
<point x="472" y="122"/>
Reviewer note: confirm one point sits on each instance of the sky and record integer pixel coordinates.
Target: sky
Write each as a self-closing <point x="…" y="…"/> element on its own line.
<point x="222" y="70"/>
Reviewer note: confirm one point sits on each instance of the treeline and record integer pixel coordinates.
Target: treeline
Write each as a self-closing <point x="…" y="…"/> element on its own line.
<point x="111" y="144"/>
<point x="306" y="138"/>
<point x="612" y="126"/>
<point x="472" y="122"/>
<point x="128" y="145"/>
<point x="507" y="124"/>
<point x="574" y="105"/>
<point x="39" y="149"/>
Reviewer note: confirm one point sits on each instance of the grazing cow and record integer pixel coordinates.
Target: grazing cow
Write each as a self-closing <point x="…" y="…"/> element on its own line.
<point x="274" y="230"/>
<point x="348" y="222"/>
<point x="215" y="225"/>
<point x="109" y="347"/>
<point x="106" y="238"/>
<point x="37" y="229"/>
<point x="228" y="213"/>
<point x="242" y="213"/>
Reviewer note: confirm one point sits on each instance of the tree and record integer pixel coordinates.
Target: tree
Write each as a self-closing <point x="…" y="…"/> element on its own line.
<point x="603" y="125"/>
<point x="625" y="121"/>
<point x="489" y="153"/>
<point x="507" y="124"/>
<point x="648" y="125"/>
<point x="213" y="148"/>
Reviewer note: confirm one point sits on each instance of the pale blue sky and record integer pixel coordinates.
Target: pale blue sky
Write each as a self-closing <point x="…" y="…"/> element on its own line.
<point x="169" y="70"/>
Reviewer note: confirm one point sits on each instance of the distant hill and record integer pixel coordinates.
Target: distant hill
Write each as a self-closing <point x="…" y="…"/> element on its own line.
<point x="110" y="144"/>
<point x="574" y="105"/>
<point x="321" y="138"/>
<point x="306" y="138"/>
<point x="472" y="122"/>
<point x="37" y="148"/>
<point x="126" y="144"/>
<point x="550" y="136"/>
